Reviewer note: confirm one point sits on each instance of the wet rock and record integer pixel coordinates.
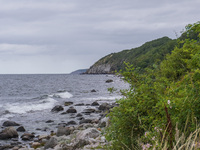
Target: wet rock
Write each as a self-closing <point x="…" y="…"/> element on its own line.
<point x="71" y="110"/>
<point x="51" y="143"/>
<point x="21" y="129"/>
<point x="88" y="111"/>
<point x="10" y="123"/>
<point x="27" y="136"/>
<point x="72" y="123"/>
<point x="93" y="90"/>
<point x="80" y="118"/>
<point x="49" y="121"/>
<point x="79" y="115"/>
<point x="109" y="81"/>
<point x="85" y="121"/>
<point x="80" y="104"/>
<point x="95" y="104"/>
<point x="68" y="103"/>
<point x="105" y="106"/>
<point x="6" y="147"/>
<point x="8" y="133"/>
<point x="57" y="108"/>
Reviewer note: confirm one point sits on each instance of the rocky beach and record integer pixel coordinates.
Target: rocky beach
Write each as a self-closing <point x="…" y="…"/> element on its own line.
<point x="86" y="134"/>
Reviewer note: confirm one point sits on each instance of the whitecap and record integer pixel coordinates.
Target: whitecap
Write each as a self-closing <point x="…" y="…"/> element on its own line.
<point x="62" y="95"/>
<point x="21" y="108"/>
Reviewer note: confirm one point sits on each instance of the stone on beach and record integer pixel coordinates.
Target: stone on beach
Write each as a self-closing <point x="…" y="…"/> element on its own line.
<point x="63" y="131"/>
<point x="27" y="136"/>
<point x="8" y="133"/>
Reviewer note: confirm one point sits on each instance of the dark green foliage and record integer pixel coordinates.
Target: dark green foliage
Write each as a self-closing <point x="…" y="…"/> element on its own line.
<point x="141" y="57"/>
<point x="159" y="98"/>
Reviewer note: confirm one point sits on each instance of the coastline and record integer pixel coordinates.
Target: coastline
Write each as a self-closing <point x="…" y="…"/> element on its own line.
<point x="87" y="134"/>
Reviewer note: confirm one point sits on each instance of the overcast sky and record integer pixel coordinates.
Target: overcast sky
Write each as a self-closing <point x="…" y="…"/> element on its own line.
<point x="60" y="36"/>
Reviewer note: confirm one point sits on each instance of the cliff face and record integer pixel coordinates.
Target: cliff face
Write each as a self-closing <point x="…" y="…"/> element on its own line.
<point x="99" y="69"/>
<point x="141" y="57"/>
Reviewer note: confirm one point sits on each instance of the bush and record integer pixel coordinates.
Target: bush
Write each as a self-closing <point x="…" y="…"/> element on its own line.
<point x="159" y="98"/>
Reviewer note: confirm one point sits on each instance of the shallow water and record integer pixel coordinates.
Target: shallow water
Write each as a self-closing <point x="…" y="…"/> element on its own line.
<point x="28" y="99"/>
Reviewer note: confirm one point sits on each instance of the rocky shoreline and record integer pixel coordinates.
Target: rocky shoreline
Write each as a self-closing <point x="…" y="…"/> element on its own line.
<point x="86" y="134"/>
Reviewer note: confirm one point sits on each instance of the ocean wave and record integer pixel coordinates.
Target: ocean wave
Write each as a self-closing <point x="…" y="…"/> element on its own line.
<point x="63" y="95"/>
<point x="21" y="108"/>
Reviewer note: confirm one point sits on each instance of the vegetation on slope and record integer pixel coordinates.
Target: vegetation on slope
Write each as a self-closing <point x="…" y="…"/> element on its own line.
<point x="141" y="57"/>
<point x="162" y="101"/>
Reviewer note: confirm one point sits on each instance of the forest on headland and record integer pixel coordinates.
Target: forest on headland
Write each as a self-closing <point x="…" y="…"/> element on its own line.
<point x="161" y="110"/>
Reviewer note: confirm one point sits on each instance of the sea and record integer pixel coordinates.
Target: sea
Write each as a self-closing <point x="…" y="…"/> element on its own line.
<point x="29" y="99"/>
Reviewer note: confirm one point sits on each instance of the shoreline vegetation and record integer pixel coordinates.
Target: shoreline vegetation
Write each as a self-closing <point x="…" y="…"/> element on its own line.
<point x="160" y="111"/>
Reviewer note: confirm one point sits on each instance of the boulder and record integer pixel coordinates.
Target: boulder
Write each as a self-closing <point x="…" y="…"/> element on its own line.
<point x="95" y="104"/>
<point x="80" y="104"/>
<point x="10" y="123"/>
<point x="21" y="129"/>
<point x="49" y="121"/>
<point x="51" y="143"/>
<point x="68" y="103"/>
<point x="72" y="123"/>
<point x="85" y="121"/>
<point x="63" y="131"/>
<point x="88" y="133"/>
<point x="71" y="110"/>
<point x="57" y="108"/>
<point x="27" y="136"/>
<point x="109" y="81"/>
<point x="93" y="90"/>
<point x="8" y="133"/>
<point x="105" y="106"/>
<point x="79" y="115"/>
<point x="88" y="111"/>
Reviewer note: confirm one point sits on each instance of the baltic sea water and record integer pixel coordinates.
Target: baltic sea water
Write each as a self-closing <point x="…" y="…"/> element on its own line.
<point x="28" y="99"/>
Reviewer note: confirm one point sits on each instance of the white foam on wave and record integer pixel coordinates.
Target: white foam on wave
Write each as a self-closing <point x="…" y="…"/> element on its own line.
<point x="21" y="108"/>
<point x="62" y="95"/>
<point x="6" y="117"/>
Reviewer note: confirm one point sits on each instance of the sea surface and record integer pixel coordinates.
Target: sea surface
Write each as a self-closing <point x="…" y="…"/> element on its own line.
<point x="28" y="99"/>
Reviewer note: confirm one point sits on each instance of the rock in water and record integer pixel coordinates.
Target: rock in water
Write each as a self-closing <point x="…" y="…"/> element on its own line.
<point x="57" y="108"/>
<point x="68" y="103"/>
<point x="109" y="81"/>
<point x="95" y="104"/>
<point x="21" y="129"/>
<point x="105" y="106"/>
<point x="8" y="133"/>
<point x="10" y="123"/>
<point x="71" y="110"/>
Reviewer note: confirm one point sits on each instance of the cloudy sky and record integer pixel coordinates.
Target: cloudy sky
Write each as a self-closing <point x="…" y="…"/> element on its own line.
<point x="60" y="36"/>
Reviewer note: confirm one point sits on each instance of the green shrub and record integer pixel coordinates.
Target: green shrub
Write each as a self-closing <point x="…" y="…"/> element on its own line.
<point x="159" y="98"/>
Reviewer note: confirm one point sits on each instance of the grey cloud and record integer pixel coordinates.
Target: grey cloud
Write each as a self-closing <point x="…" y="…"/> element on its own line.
<point x="60" y="36"/>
